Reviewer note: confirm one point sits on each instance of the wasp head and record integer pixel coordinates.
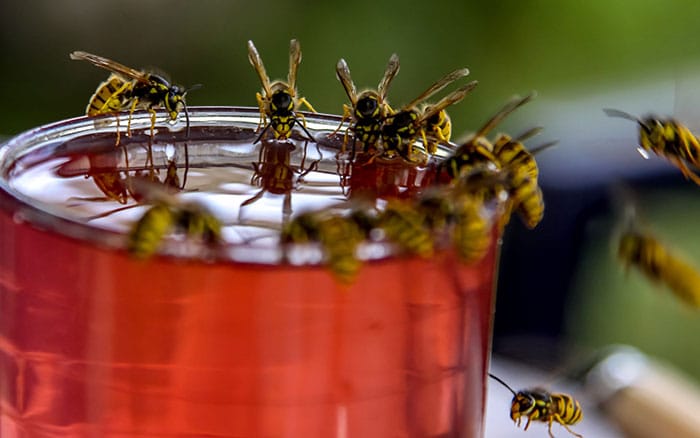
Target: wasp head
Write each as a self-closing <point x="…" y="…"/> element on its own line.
<point x="174" y="100"/>
<point x="652" y="133"/>
<point x="522" y="405"/>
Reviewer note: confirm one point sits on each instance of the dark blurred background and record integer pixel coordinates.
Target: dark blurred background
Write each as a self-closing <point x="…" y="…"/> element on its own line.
<point x="561" y="293"/>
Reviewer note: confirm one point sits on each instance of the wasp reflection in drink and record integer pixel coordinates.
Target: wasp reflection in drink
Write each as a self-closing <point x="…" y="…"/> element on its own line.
<point x="231" y="341"/>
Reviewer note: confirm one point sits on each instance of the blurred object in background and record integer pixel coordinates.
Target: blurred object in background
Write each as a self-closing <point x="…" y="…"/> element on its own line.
<point x="644" y="396"/>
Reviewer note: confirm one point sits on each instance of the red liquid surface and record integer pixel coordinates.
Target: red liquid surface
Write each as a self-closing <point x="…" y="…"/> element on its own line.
<point x="93" y="343"/>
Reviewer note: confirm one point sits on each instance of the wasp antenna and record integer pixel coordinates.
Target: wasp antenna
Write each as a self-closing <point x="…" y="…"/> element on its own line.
<point x="192" y="88"/>
<point x="267" y="126"/>
<point x="78" y="55"/>
<point x="311" y="137"/>
<point x="536" y="150"/>
<point x="502" y="383"/>
<point x="611" y="112"/>
<point x="529" y="133"/>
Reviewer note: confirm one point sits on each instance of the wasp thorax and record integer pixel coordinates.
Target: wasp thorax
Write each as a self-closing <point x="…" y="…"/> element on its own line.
<point x="282" y="100"/>
<point x="174" y="101"/>
<point x="367" y="106"/>
<point x="405" y="118"/>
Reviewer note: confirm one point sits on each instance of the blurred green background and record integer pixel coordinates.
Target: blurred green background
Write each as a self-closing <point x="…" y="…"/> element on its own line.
<point x="567" y="51"/>
<point x="511" y="46"/>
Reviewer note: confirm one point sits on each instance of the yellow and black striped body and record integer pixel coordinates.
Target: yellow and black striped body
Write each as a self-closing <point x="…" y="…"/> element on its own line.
<point x="406" y="226"/>
<point x="278" y="102"/>
<point x="110" y="97"/>
<point x="459" y="210"/>
<point x="197" y="223"/>
<point x="539" y="405"/>
<point x="672" y="140"/>
<point x="475" y="153"/>
<point x="280" y="110"/>
<point x="368" y="115"/>
<point x="472" y="230"/>
<point x="158" y="92"/>
<point x="667" y="138"/>
<point x="399" y="131"/>
<point x="120" y="94"/>
<point x="661" y="265"/>
<point x="163" y="218"/>
<point x="147" y="234"/>
<point x="338" y="236"/>
<point x="525" y="193"/>
<point x="437" y="129"/>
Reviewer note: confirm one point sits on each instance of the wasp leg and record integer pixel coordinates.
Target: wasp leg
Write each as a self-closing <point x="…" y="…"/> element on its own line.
<point x="691" y="146"/>
<point x="119" y="132"/>
<point x="149" y="156"/>
<point x="689" y="174"/>
<point x="347" y="115"/>
<point x="302" y="101"/>
<point x="303" y="127"/>
<point x="249" y="201"/>
<point x="131" y="113"/>
<point x="287" y="207"/>
<point x="261" y="107"/>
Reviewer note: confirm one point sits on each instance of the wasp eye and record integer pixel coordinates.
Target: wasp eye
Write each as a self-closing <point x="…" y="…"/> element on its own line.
<point x="367" y="107"/>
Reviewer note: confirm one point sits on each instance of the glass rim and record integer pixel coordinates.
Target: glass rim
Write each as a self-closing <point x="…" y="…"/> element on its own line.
<point x="24" y="208"/>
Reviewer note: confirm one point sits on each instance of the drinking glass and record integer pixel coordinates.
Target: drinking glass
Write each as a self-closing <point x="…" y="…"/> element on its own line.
<point x="245" y="339"/>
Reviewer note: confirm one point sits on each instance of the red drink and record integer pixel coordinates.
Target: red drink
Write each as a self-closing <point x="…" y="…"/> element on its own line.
<point x="96" y="343"/>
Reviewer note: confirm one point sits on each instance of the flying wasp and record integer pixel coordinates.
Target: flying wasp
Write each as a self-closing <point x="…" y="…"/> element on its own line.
<point x="368" y="109"/>
<point x="540" y="405"/>
<point x="130" y="89"/>
<point x="660" y="264"/>
<point x="401" y="128"/>
<point x="279" y="102"/>
<point x="477" y="149"/>
<point x="667" y="138"/>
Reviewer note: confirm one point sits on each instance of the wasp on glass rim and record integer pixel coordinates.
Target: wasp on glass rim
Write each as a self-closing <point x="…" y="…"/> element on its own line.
<point x="278" y="101"/>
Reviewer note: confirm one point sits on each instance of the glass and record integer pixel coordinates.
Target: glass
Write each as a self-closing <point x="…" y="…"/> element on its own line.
<point x="237" y="343"/>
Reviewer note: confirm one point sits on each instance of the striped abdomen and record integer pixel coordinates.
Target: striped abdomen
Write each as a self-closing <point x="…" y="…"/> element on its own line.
<point x="111" y="96"/>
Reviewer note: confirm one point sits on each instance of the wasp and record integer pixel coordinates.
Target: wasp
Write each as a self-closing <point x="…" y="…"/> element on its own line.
<point x="406" y="226"/>
<point x="540" y="405"/>
<point x="477" y="149"/>
<point x="279" y="102"/>
<point x="521" y="167"/>
<point x="338" y="235"/>
<point x="660" y="264"/>
<point x="368" y="109"/>
<point x="667" y="138"/>
<point x="130" y="89"/>
<point x="169" y="215"/>
<point x="114" y="177"/>
<point x="458" y="211"/>
<point x="404" y="126"/>
<point x="275" y="174"/>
